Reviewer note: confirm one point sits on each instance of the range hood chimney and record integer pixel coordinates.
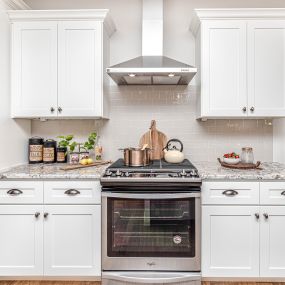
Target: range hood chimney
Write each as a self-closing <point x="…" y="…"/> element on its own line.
<point x="152" y="68"/>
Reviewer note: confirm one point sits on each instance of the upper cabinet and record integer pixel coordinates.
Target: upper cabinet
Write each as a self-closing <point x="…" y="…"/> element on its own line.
<point x="58" y="63"/>
<point x="240" y="56"/>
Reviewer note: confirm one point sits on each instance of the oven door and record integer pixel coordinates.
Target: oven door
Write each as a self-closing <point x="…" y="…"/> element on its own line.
<point x="151" y="231"/>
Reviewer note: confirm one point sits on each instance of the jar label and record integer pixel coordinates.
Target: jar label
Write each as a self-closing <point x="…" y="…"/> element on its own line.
<point x="48" y="154"/>
<point x="36" y="153"/>
<point x="60" y="156"/>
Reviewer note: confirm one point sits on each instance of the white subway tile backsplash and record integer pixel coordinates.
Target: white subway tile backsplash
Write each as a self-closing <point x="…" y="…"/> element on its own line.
<point x="174" y="108"/>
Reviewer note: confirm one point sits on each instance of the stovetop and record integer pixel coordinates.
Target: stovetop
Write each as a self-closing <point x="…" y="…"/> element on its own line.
<point x="156" y="165"/>
<point x="159" y="174"/>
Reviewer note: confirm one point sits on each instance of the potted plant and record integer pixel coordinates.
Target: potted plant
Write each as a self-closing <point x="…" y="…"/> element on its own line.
<point x="65" y="143"/>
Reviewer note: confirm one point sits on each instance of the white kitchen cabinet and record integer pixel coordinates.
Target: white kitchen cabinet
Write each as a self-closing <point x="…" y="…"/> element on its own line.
<point x="266" y="68"/>
<point x="58" y="63"/>
<point x="34" y="69"/>
<point x="21" y="240"/>
<point x="240" y="60"/>
<point x="80" y="68"/>
<point x="72" y="245"/>
<point x="272" y="246"/>
<point x="224" y="68"/>
<point x="230" y="241"/>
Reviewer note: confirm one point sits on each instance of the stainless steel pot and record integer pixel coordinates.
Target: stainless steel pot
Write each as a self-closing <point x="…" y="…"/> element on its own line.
<point x="136" y="156"/>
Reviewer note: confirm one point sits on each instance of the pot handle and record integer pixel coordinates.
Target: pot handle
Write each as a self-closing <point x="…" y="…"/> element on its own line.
<point x="174" y="147"/>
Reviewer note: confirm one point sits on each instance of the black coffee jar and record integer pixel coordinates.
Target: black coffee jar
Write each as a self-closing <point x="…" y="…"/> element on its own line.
<point x="49" y="151"/>
<point x="36" y="150"/>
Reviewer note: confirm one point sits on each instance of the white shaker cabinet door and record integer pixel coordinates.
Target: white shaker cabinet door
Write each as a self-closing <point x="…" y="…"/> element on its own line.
<point x="21" y="240"/>
<point x="80" y="69"/>
<point x="266" y="68"/>
<point x="272" y="245"/>
<point x="34" y="69"/>
<point x="224" y="69"/>
<point x="72" y="245"/>
<point x="230" y="241"/>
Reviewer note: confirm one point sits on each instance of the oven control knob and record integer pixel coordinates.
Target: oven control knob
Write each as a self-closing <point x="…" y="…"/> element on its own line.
<point x="193" y="173"/>
<point x="108" y="172"/>
<point x="183" y="173"/>
<point x="118" y="173"/>
<point x="127" y="174"/>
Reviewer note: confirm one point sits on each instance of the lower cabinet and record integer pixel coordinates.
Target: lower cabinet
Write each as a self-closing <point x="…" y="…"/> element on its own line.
<point x="272" y="241"/>
<point x="240" y="240"/>
<point x="230" y="241"/>
<point x="21" y="240"/>
<point x="62" y="238"/>
<point x="72" y="240"/>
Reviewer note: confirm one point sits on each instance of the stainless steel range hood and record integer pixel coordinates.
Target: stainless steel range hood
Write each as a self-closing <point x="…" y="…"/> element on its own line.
<point x="152" y="68"/>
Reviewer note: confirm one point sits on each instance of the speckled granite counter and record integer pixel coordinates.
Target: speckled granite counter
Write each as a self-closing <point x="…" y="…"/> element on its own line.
<point x="267" y="171"/>
<point x="51" y="171"/>
<point x="207" y="171"/>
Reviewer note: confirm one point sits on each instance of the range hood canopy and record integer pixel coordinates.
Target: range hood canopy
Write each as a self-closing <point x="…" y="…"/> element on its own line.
<point x="152" y="68"/>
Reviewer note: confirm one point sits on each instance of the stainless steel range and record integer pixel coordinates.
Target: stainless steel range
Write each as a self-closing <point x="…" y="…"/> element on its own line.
<point x="151" y="224"/>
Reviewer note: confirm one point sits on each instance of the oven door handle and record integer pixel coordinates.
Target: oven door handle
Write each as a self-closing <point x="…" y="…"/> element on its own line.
<point x="151" y="277"/>
<point x="151" y="196"/>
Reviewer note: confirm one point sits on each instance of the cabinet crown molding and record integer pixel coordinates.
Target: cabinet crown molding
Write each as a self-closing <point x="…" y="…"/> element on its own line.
<point x="234" y="14"/>
<point x="65" y="15"/>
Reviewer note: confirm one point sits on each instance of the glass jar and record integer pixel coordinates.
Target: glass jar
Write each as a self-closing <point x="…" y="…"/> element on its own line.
<point x="74" y="158"/>
<point x="247" y="155"/>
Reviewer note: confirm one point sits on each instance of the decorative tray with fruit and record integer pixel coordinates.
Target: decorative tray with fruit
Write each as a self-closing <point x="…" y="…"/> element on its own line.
<point x="232" y="160"/>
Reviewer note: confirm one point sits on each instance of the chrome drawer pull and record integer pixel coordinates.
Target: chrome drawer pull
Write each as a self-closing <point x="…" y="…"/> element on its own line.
<point x="230" y="193"/>
<point x="14" y="192"/>
<point x="72" y="192"/>
<point x="283" y="193"/>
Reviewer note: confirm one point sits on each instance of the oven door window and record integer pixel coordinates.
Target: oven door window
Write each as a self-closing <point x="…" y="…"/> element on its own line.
<point x="151" y="228"/>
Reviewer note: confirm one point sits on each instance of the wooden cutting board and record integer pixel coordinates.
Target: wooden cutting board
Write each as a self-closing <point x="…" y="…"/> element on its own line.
<point x="156" y="141"/>
<point x="77" y="166"/>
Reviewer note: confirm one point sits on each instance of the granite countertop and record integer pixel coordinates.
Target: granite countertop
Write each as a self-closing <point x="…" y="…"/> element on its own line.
<point x="267" y="171"/>
<point x="207" y="171"/>
<point x="51" y="171"/>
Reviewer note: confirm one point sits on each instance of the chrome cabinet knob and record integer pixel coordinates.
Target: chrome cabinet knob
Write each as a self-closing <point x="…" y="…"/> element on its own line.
<point x="266" y="216"/>
<point x="252" y="109"/>
<point x="244" y="109"/>
<point x="45" y="215"/>
<point x="256" y="216"/>
<point x="59" y="109"/>
<point x="52" y="109"/>
<point x="37" y="214"/>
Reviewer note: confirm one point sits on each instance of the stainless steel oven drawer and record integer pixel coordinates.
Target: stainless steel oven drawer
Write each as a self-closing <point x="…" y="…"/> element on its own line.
<point x="127" y="278"/>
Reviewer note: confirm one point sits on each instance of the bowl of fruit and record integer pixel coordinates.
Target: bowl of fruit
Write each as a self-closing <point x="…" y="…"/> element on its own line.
<point x="231" y="158"/>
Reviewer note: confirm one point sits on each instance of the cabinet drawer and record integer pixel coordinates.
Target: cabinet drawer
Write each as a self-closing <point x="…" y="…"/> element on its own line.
<point x="272" y="193"/>
<point x="21" y="192"/>
<point x="230" y="193"/>
<point x="72" y="192"/>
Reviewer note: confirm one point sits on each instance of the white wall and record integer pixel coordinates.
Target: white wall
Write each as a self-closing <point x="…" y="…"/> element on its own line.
<point x="132" y="108"/>
<point x="13" y="133"/>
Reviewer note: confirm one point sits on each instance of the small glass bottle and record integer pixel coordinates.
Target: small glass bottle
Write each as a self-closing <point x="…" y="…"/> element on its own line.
<point x="98" y="150"/>
<point x="247" y="155"/>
